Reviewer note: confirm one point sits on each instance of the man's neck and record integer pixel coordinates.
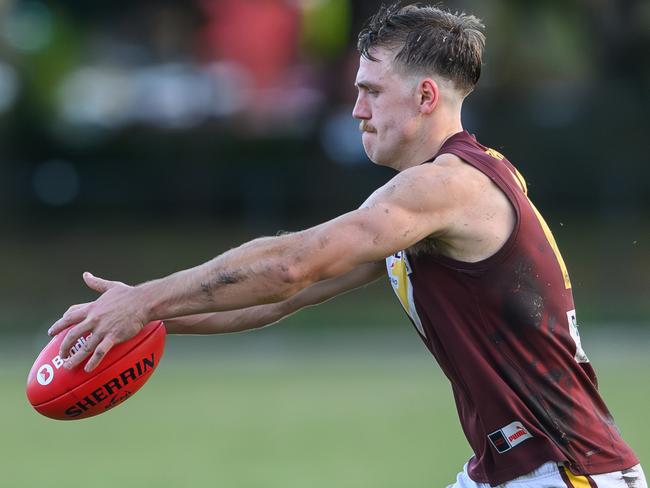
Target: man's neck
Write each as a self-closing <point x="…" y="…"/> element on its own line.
<point x="431" y="145"/>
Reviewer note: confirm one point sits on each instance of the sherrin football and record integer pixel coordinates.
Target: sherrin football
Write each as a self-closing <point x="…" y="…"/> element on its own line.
<point x="64" y="394"/>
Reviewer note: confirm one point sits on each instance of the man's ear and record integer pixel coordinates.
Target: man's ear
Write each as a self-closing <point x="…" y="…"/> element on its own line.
<point x="429" y="95"/>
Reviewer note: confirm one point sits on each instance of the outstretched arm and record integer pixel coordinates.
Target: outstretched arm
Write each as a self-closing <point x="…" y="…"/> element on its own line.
<point x="262" y="315"/>
<point x="417" y="203"/>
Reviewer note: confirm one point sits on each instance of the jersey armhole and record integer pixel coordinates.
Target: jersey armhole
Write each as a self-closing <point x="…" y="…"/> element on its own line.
<point x="510" y="194"/>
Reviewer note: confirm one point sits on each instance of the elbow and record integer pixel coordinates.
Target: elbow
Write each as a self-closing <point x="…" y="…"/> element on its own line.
<point x="292" y="278"/>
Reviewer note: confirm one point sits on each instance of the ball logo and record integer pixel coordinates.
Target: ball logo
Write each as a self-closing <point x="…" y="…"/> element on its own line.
<point x="113" y="388"/>
<point x="45" y="375"/>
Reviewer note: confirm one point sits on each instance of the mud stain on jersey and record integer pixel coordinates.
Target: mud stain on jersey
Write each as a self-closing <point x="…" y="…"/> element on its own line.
<point x="555" y="375"/>
<point x="523" y="303"/>
<point x="631" y="478"/>
<point x="553" y="409"/>
<point x="556" y="409"/>
<point x="552" y="321"/>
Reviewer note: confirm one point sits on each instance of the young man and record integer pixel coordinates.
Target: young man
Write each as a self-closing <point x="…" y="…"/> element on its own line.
<point x="470" y="258"/>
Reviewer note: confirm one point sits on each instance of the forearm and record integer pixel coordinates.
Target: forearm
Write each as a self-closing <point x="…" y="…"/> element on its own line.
<point x="256" y="273"/>
<point x="229" y="321"/>
<point x="261" y="315"/>
<point x="273" y="269"/>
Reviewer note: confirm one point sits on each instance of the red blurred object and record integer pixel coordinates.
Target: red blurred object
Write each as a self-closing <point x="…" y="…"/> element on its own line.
<point x="259" y="36"/>
<point x="64" y="394"/>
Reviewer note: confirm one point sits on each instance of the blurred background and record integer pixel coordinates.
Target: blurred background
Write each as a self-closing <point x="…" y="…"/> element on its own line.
<point x="138" y="138"/>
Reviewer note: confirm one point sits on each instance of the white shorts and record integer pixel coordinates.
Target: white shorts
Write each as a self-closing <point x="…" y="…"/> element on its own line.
<point x="554" y="475"/>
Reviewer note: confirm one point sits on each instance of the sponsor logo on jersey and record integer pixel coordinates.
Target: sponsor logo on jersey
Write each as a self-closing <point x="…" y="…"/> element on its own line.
<point x="509" y="436"/>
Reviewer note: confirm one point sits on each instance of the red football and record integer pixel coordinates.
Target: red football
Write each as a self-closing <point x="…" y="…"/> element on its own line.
<point x="65" y="394"/>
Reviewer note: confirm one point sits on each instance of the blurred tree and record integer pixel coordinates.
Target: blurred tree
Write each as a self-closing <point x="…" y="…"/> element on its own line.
<point x="325" y="28"/>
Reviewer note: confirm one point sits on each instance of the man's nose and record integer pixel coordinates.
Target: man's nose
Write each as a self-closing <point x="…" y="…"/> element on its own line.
<point x="360" y="110"/>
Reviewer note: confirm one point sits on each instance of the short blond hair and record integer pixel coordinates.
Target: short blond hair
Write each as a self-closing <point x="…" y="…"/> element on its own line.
<point x="430" y="40"/>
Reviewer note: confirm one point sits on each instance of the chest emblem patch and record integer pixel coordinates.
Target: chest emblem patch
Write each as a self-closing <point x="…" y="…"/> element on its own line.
<point x="399" y="271"/>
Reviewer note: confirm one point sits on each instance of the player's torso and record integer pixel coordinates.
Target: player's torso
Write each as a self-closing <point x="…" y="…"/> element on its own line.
<point x="504" y="331"/>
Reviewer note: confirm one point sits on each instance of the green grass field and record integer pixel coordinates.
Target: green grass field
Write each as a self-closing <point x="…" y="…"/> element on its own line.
<point x="277" y="409"/>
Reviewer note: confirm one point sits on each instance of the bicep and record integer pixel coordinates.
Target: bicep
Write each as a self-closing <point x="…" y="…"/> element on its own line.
<point x="398" y="215"/>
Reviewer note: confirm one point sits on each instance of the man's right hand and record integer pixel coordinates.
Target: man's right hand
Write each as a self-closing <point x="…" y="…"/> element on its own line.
<point x="116" y="316"/>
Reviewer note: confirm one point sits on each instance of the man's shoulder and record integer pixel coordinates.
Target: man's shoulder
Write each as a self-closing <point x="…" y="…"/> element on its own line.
<point x="448" y="173"/>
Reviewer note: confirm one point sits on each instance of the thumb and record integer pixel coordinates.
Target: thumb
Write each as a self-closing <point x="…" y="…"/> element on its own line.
<point x="97" y="284"/>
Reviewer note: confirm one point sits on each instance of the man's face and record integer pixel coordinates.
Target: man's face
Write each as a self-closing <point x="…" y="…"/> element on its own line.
<point x="387" y="106"/>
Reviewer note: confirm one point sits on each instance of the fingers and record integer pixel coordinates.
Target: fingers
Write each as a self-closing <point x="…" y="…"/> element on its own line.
<point x="73" y="336"/>
<point x="73" y="315"/>
<point x="77" y="313"/>
<point x="101" y="350"/>
<point x="98" y="284"/>
<point x="100" y="324"/>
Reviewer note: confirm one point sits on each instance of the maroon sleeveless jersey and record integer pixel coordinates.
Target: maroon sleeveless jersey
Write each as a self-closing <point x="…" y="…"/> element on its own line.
<point x="504" y="332"/>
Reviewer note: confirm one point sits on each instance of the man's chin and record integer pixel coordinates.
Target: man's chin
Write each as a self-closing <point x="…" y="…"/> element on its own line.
<point x="371" y="150"/>
<point x="377" y="159"/>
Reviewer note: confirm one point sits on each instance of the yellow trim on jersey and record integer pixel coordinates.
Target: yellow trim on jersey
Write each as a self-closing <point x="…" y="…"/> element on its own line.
<point x="519" y="179"/>
<point x="556" y="250"/>
<point x="494" y="153"/>
<point x="575" y="480"/>
<point x="399" y="271"/>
